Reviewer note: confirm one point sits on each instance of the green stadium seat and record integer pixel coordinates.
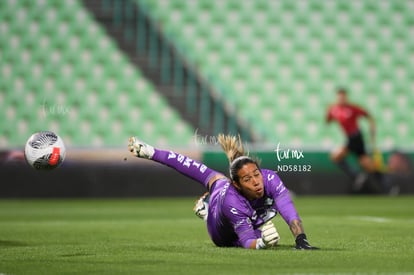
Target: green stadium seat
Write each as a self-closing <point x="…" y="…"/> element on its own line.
<point x="298" y="50"/>
<point x="63" y="76"/>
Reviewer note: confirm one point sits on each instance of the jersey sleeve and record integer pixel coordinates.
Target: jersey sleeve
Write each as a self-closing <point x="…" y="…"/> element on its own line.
<point x="185" y="165"/>
<point x="329" y="116"/>
<point x="239" y="214"/>
<point x="359" y="111"/>
<point x="281" y="195"/>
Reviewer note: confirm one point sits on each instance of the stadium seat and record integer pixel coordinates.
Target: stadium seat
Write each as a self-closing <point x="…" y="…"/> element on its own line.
<point x="314" y="44"/>
<point x="62" y="72"/>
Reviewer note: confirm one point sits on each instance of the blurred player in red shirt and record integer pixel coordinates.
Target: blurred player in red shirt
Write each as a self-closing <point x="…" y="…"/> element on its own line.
<point x="347" y="115"/>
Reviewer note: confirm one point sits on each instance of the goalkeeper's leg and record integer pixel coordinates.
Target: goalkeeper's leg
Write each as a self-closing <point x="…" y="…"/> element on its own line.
<point x="183" y="164"/>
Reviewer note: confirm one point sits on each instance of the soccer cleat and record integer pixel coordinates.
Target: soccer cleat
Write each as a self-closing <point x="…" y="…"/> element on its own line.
<point x="359" y="182"/>
<point x="201" y="206"/>
<point x="140" y="149"/>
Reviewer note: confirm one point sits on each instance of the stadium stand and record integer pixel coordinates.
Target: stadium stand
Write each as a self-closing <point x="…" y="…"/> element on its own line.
<point x="281" y="59"/>
<point x="61" y="72"/>
<point x="280" y="62"/>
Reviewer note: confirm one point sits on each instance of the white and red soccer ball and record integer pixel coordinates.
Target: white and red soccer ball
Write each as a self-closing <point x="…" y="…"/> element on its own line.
<point x="44" y="150"/>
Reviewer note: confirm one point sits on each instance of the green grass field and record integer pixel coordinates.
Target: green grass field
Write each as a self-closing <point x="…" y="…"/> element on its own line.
<point x="365" y="235"/>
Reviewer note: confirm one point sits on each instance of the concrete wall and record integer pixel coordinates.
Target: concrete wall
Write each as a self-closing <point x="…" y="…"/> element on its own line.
<point x="95" y="180"/>
<point x="88" y="176"/>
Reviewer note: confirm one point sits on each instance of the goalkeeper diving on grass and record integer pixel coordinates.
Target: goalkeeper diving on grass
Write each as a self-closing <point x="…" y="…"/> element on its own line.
<point x="237" y="209"/>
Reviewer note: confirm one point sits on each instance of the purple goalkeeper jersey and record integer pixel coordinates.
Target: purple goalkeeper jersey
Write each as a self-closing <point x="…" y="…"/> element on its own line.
<point x="233" y="220"/>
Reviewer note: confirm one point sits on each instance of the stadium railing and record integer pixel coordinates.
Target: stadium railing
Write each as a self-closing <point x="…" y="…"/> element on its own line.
<point x="181" y="80"/>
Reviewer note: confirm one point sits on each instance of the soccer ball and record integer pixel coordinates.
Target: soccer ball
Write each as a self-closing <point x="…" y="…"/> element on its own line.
<point x="44" y="150"/>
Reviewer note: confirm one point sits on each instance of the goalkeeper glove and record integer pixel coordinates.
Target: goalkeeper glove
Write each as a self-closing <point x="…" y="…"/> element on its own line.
<point x="140" y="149"/>
<point x="302" y="242"/>
<point x="270" y="236"/>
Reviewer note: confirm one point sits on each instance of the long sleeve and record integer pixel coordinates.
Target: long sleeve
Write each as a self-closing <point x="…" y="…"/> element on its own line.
<point x="185" y="165"/>
<point x="283" y="201"/>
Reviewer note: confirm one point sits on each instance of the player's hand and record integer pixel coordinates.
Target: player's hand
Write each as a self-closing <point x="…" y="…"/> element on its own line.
<point x="140" y="149"/>
<point x="302" y="243"/>
<point x="270" y="236"/>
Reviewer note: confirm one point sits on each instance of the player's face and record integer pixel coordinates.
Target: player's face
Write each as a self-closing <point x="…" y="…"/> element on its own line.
<point x="250" y="181"/>
<point x="342" y="98"/>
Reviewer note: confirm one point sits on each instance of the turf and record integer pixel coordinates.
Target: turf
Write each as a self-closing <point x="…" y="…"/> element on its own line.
<point x="365" y="235"/>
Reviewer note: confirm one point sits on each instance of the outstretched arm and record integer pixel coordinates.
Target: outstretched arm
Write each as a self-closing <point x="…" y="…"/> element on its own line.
<point x="296" y="227"/>
<point x="183" y="164"/>
<point x="328" y="116"/>
<point x="287" y="210"/>
<point x="295" y="224"/>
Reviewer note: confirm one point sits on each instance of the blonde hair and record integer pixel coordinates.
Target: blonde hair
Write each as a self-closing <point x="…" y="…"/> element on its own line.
<point x="234" y="150"/>
<point x="232" y="146"/>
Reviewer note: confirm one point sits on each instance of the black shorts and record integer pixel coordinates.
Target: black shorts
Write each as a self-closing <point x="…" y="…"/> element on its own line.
<point x="356" y="144"/>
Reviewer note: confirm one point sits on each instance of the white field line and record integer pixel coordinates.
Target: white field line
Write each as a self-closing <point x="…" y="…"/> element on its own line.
<point x="371" y="219"/>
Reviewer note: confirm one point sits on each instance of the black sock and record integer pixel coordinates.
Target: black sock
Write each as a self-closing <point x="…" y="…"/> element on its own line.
<point x="344" y="165"/>
<point x="378" y="175"/>
<point x="382" y="181"/>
